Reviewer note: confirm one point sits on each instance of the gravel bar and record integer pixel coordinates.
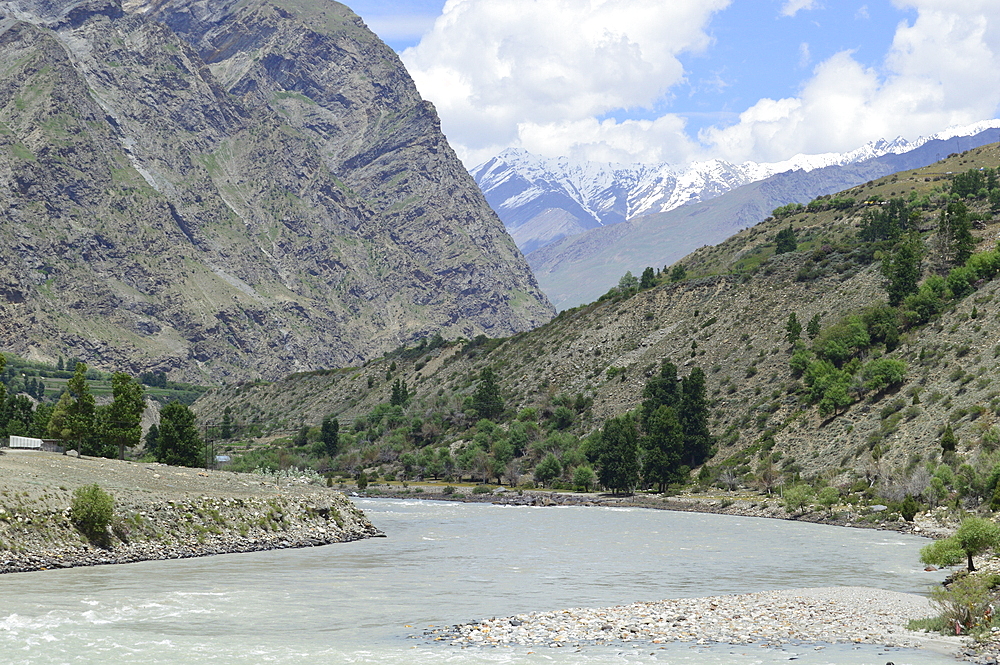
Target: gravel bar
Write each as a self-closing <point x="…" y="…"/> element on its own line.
<point x="827" y="614"/>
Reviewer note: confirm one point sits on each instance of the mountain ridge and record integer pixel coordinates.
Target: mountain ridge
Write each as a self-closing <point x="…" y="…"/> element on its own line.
<point x="525" y="189"/>
<point x="270" y="195"/>
<point x="578" y="269"/>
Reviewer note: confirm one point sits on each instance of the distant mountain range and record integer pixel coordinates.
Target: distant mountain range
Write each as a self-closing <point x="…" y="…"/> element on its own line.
<point x="541" y="200"/>
<point x="577" y="268"/>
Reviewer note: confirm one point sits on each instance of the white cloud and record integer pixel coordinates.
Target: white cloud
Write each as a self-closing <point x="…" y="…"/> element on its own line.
<point x="793" y="7"/>
<point x="496" y="69"/>
<point x="942" y="70"/>
<point x="805" y="57"/>
<point x="542" y="74"/>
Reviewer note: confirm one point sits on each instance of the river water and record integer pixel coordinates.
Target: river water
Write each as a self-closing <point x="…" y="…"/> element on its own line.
<point x="446" y="563"/>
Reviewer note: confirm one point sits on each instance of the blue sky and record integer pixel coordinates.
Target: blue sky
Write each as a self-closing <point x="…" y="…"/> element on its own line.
<point x="684" y="80"/>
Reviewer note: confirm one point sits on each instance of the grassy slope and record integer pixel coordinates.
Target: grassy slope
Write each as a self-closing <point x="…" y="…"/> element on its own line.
<point x="733" y="308"/>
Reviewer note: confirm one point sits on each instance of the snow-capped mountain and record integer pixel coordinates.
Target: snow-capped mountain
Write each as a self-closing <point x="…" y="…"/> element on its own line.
<point x="541" y="199"/>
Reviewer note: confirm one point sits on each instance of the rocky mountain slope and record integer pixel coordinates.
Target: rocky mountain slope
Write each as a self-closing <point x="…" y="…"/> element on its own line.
<point x="232" y="190"/>
<point x="728" y="318"/>
<point x="542" y="200"/>
<point x="578" y="269"/>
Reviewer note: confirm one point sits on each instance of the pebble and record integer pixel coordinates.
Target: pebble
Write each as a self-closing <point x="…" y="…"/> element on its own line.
<point x="829" y="615"/>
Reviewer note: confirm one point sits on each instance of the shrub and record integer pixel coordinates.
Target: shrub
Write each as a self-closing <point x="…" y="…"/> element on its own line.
<point x="965" y="603"/>
<point x="482" y="489"/>
<point x="448" y="490"/>
<point x="92" y="511"/>
<point x="797" y="497"/>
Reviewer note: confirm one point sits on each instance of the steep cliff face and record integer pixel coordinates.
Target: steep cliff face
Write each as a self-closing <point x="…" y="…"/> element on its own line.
<point x="267" y="194"/>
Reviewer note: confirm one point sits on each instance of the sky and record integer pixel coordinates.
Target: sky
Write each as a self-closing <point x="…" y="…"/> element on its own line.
<point x="679" y="81"/>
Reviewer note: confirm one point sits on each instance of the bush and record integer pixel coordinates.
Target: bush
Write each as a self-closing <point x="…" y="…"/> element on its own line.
<point x="448" y="490"/>
<point x="482" y="489"/>
<point x="92" y="511"/>
<point x="797" y="497"/>
<point x="965" y="603"/>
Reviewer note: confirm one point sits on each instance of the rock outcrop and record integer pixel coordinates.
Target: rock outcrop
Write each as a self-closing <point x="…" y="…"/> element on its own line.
<point x="231" y="190"/>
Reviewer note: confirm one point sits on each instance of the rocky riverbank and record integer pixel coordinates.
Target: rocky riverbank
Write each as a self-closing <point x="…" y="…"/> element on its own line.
<point x="931" y="524"/>
<point x="161" y="512"/>
<point x="822" y="615"/>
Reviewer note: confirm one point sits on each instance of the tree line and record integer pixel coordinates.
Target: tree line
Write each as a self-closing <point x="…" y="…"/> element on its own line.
<point x="108" y="430"/>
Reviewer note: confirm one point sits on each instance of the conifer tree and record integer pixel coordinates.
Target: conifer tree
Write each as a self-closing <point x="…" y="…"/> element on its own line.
<point x="792" y="329"/>
<point x="330" y="435"/>
<point x="902" y="268"/>
<point x="663" y="446"/>
<point x="487" y="400"/>
<point x="694" y="418"/>
<point x="813" y="327"/>
<point x="648" y="279"/>
<point x="178" y="440"/>
<point x="955" y="242"/>
<point x="618" y="454"/>
<point x="120" y="425"/>
<point x="662" y="389"/>
<point x="785" y="241"/>
<point x="400" y="393"/>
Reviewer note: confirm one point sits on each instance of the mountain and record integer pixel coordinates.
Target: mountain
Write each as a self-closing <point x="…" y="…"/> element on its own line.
<point x="232" y="190"/>
<point x="728" y="317"/>
<point x="542" y="200"/>
<point x="578" y="269"/>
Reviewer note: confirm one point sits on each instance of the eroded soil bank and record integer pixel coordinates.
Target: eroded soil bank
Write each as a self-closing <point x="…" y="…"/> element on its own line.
<point x="161" y="512"/>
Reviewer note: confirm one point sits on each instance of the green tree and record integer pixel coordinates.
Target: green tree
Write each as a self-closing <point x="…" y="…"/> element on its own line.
<point x="400" y="394"/>
<point x="887" y="222"/>
<point x="813" y="327"/>
<point x="487" y="400"/>
<point x="179" y="443"/>
<point x="678" y="273"/>
<point x="663" y="446"/>
<point x="694" y="415"/>
<point x="73" y="418"/>
<point x="3" y="388"/>
<point x="618" y="454"/>
<point x="842" y="341"/>
<point x="628" y="282"/>
<point x="785" y="241"/>
<point x="661" y="389"/>
<point x="902" y="268"/>
<point x="227" y="430"/>
<point x="329" y="434"/>
<point x="120" y="425"/>
<point x="792" y="329"/>
<point x="949" y="442"/>
<point x="152" y="439"/>
<point x="548" y="469"/>
<point x="975" y="535"/>
<point x="954" y="234"/>
<point x="583" y="478"/>
<point x="648" y="279"/>
<point x="881" y="373"/>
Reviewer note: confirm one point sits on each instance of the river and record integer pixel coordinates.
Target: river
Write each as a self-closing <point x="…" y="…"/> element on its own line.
<point x="445" y="563"/>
